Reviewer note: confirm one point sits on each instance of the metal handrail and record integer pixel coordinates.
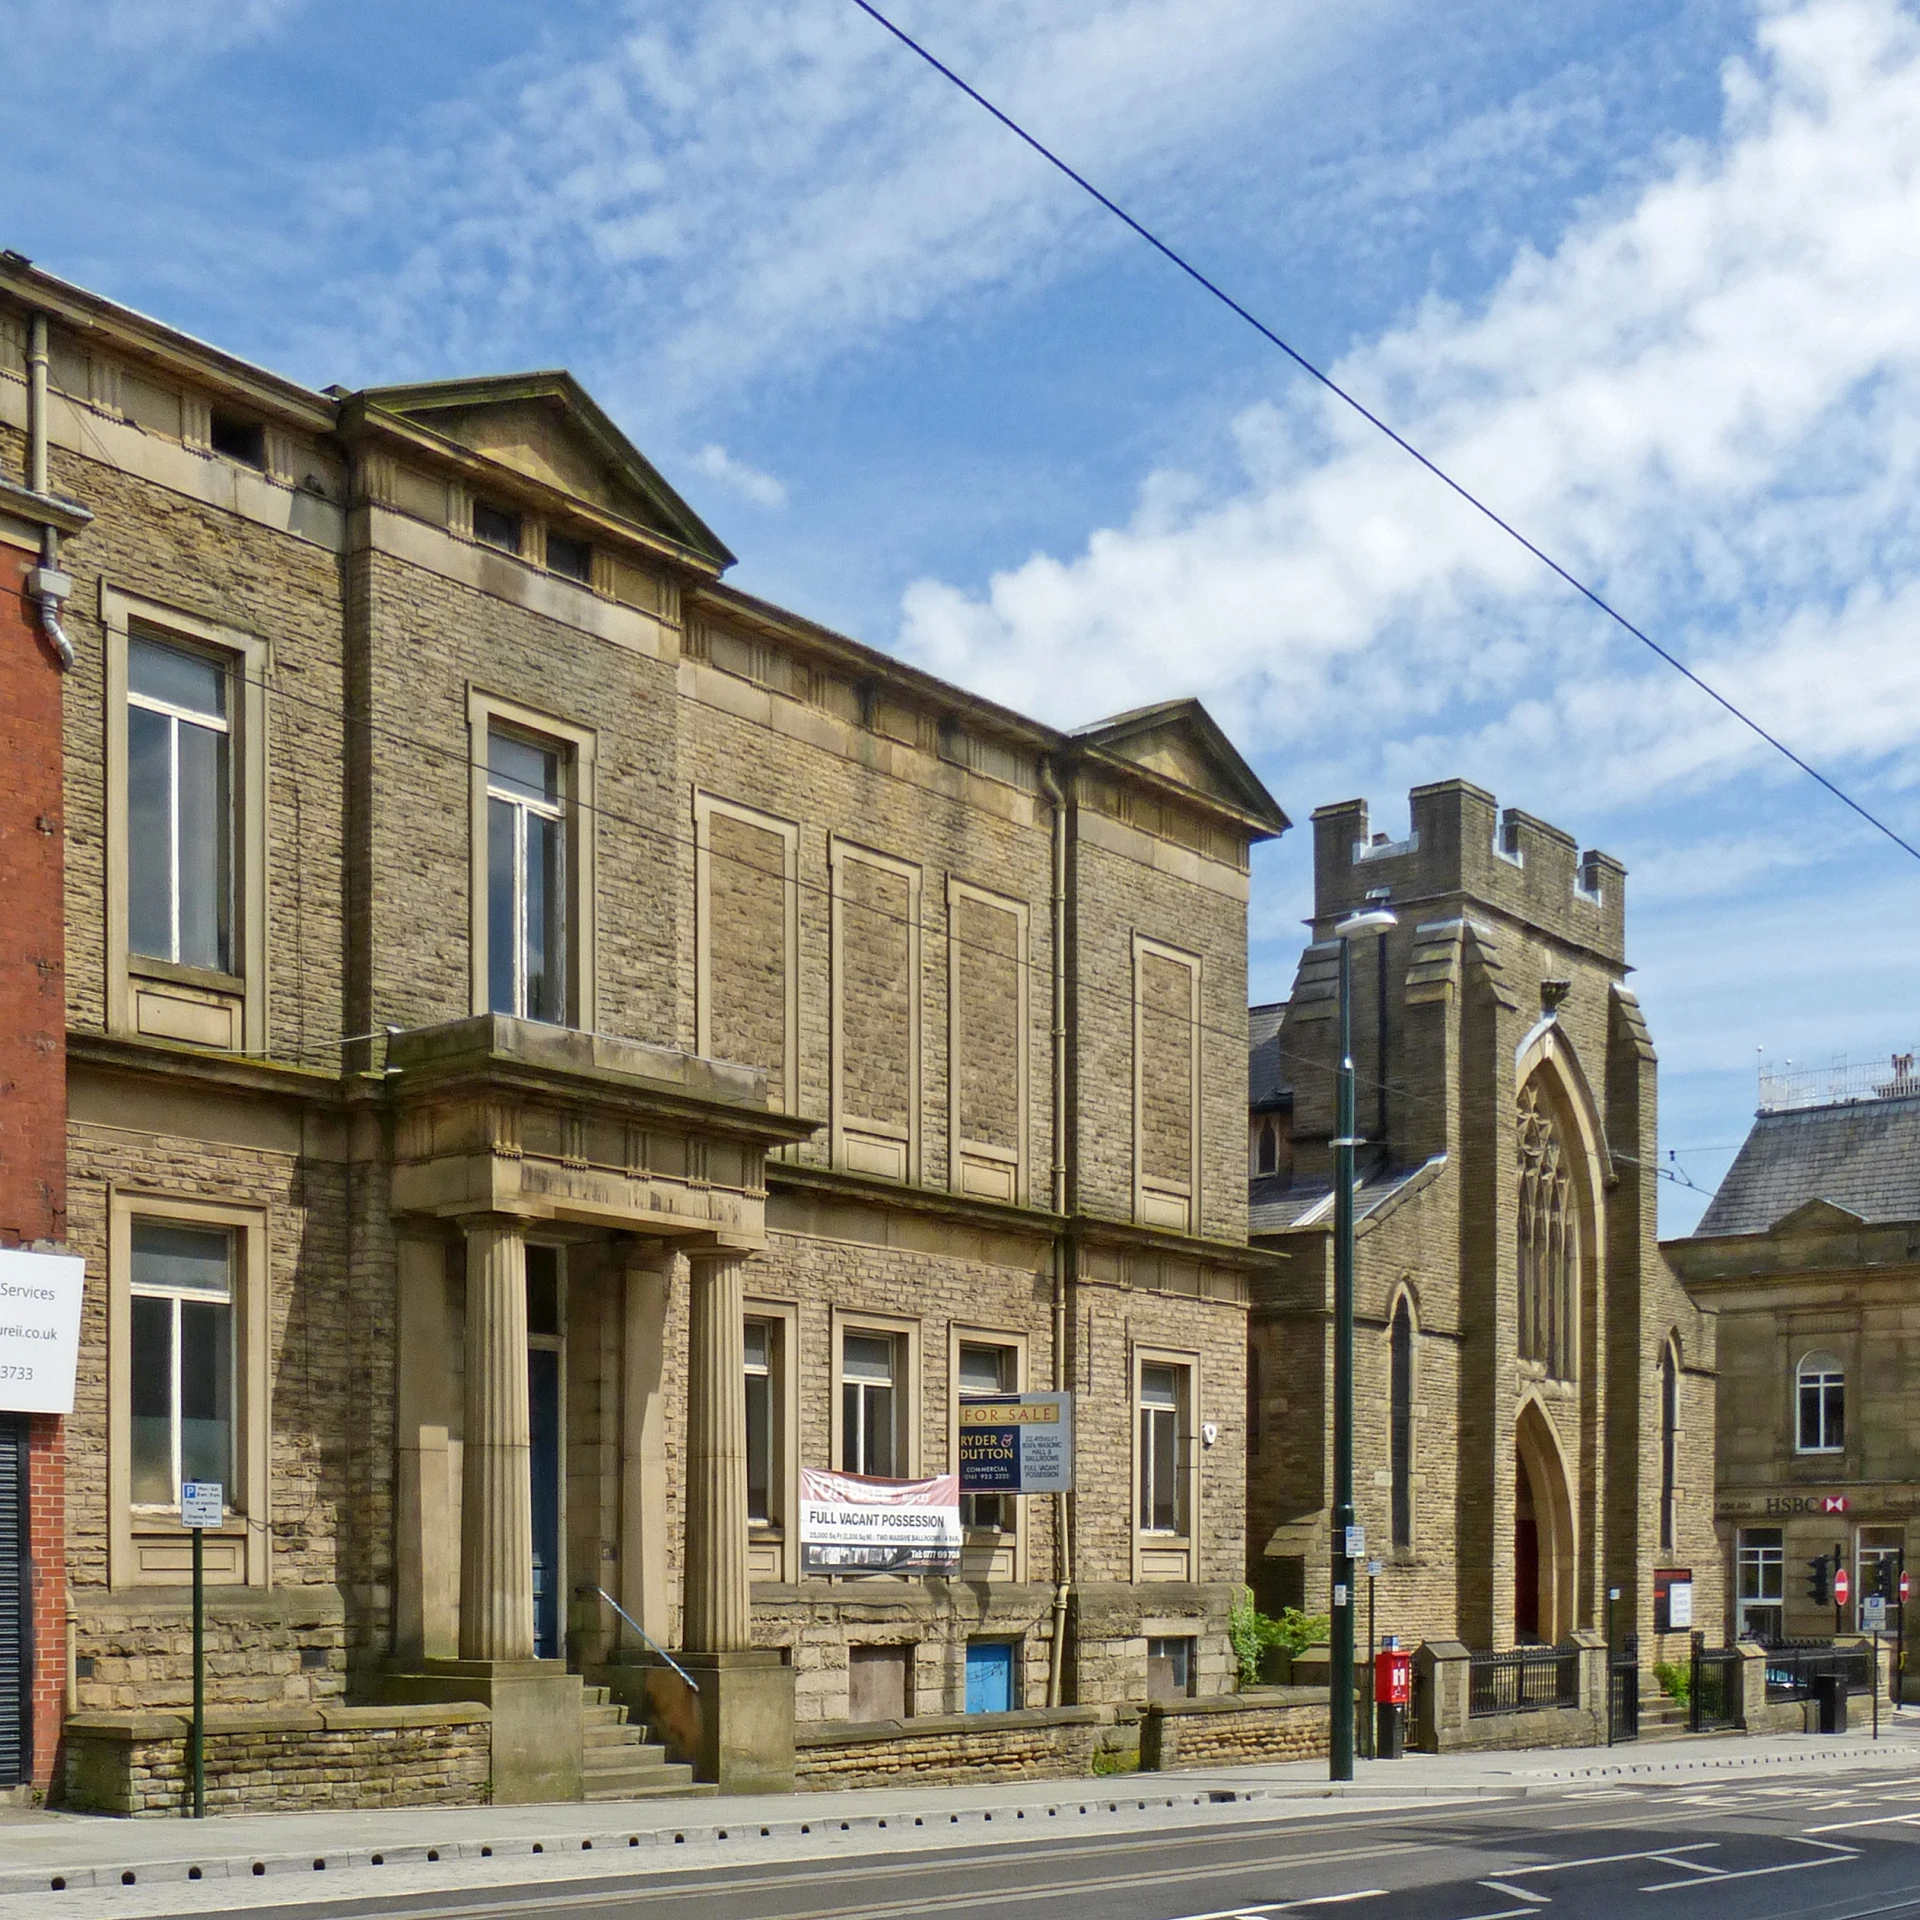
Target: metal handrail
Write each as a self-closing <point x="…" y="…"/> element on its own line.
<point x="645" y="1635"/>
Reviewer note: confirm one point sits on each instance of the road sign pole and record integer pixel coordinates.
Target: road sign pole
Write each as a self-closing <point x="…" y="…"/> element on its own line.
<point x="199" y="1673"/>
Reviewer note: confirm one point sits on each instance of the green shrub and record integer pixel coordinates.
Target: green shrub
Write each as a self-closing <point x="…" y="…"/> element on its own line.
<point x="1110" y="1760"/>
<point x="1676" y="1681"/>
<point x="1253" y="1632"/>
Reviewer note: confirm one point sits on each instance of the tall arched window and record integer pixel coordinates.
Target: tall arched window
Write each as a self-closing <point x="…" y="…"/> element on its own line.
<point x="1549" y="1239"/>
<point x="1400" y="1437"/>
<point x="1822" y="1418"/>
<point x="1669" y="1443"/>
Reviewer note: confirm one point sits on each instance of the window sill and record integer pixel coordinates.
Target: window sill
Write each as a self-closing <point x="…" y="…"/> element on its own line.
<point x="143" y="967"/>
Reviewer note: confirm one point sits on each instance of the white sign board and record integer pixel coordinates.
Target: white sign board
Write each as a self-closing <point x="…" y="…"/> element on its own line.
<point x="202" y="1503"/>
<point x="1680" y="1605"/>
<point x="39" y="1330"/>
<point x="852" y="1524"/>
<point x="1873" y="1613"/>
<point x="1356" y="1543"/>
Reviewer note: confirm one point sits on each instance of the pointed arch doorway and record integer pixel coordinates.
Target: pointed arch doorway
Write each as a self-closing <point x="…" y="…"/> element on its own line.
<point x="1543" y="1540"/>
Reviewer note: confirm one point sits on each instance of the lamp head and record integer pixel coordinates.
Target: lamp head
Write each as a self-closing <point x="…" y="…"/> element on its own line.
<point x="1367" y="920"/>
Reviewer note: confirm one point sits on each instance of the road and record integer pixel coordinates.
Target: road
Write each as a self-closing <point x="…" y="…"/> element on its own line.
<point x="1841" y="1847"/>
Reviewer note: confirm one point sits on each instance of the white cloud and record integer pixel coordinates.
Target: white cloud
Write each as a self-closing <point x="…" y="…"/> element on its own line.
<point x="1706" y="399"/>
<point x="192" y="27"/>
<point x="738" y="477"/>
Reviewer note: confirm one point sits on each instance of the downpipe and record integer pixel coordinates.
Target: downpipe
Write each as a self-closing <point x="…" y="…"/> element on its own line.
<point x="49" y="588"/>
<point x="1063" y="1536"/>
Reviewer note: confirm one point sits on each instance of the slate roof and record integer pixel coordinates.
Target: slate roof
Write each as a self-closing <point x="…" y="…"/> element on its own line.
<point x="1275" y="1202"/>
<point x="1863" y="1156"/>
<point x="1267" y="1085"/>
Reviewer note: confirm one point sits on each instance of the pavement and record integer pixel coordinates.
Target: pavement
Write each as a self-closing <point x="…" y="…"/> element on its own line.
<point x="55" y="1865"/>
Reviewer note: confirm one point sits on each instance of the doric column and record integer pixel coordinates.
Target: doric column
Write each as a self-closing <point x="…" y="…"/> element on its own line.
<point x="717" y="1618"/>
<point x="644" y="1473"/>
<point x="496" y="1494"/>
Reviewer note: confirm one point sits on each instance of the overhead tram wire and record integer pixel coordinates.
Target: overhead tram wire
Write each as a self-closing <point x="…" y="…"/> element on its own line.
<point x="1406" y="446"/>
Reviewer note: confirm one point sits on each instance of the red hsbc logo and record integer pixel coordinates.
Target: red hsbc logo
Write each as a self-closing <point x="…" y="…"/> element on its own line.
<point x="1834" y="1503"/>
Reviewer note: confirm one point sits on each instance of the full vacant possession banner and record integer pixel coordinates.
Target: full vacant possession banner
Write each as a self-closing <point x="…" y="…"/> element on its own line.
<point x="850" y="1524"/>
<point x="39" y="1330"/>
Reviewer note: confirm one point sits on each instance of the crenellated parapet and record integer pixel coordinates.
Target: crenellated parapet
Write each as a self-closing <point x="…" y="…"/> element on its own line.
<point x="1462" y="844"/>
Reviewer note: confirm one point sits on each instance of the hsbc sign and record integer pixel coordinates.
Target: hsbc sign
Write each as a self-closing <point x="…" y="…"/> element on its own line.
<point x="1780" y="1505"/>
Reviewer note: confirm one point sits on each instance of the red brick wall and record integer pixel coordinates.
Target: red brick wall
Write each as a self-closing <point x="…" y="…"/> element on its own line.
<point x="33" y="1077"/>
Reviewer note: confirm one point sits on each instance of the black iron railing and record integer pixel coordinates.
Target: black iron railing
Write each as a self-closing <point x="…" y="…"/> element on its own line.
<point x="1525" y="1680"/>
<point x="1793" y="1667"/>
<point x="1713" y="1698"/>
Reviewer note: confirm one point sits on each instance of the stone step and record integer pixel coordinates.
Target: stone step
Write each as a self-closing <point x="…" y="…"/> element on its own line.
<point x="639" y="1753"/>
<point x="614" y="1739"/>
<point x="669" y="1782"/>
<point x="608" y="1716"/>
<point x="594" y="1696"/>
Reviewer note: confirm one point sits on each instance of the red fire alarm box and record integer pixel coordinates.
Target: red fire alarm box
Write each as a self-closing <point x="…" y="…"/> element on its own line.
<point x="1393" y="1678"/>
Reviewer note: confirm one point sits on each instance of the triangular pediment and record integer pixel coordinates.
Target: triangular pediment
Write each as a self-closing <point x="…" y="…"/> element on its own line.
<point x="548" y="428"/>
<point x="1181" y="742"/>
<point x="1813" y="1216"/>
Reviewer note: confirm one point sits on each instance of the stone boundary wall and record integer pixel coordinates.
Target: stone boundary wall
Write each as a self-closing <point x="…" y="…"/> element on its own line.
<point x="1235" y="1729"/>
<point x="282" y="1761"/>
<point x="1040" y="1743"/>
<point x="1443" y="1723"/>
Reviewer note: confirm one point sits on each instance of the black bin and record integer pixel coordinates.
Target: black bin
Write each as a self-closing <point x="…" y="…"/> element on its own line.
<point x="1390" y="1731"/>
<point x="1830" y="1701"/>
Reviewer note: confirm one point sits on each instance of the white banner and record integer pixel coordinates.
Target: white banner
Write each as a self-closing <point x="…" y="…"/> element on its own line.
<point x="850" y="1524"/>
<point x="39" y="1330"/>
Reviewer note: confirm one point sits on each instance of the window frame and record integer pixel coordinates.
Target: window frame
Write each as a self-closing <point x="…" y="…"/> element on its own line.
<point x="146" y="1546"/>
<point x="1158" y="1201"/>
<point x="1827" y="1379"/>
<point x="1403" y="1429"/>
<point x="905" y="1334"/>
<point x="1670" y="1437"/>
<point x="1758" y="1558"/>
<point x="773" y="1547"/>
<point x="139" y="986"/>
<point x="705" y="806"/>
<point x="1005" y="1544"/>
<point x="577" y="746"/>
<point x="1183" y="1543"/>
<point x="177" y="1299"/>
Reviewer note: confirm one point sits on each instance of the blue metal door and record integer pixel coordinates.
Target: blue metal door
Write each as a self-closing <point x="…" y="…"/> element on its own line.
<point x="543" y="1412"/>
<point x="989" y="1676"/>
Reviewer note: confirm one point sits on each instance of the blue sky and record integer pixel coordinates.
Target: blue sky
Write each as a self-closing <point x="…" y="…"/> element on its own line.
<point x="1643" y="273"/>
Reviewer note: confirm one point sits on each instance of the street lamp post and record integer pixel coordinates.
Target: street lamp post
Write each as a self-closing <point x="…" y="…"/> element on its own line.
<point x="1340" y="1732"/>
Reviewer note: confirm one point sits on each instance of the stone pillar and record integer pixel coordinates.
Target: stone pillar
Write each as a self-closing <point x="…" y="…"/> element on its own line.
<point x="496" y="1503"/>
<point x="717" y="1610"/>
<point x="427" y="1531"/>
<point x="643" y="1444"/>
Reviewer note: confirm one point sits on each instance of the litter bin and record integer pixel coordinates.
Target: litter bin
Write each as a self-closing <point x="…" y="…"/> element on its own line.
<point x="1830" y="1701"/>
<point x="1390" y="1731"/>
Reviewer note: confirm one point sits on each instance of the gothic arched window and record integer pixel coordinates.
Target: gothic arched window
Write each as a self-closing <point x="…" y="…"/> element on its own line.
<point x="1549" y="1240"/>
<point x="1669" y="1444"/>
<point x="1400" y="1422"/>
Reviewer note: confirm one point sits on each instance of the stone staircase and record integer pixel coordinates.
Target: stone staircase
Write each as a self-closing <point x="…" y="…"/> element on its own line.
<point x="1661" y="1716"/>
<point x="619" y="1762"/>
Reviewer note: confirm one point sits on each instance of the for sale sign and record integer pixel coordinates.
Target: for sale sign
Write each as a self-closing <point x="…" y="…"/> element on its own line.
<point x="852" y="1524"/>
<point x="1017" y="1443"/>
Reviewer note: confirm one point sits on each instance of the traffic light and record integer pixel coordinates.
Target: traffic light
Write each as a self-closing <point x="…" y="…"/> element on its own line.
<point x="1886" y="1577"/>
<point x="1820" y="1580"/>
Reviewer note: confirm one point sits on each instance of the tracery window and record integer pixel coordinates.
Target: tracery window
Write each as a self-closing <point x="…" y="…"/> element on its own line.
<point x="1549" y="1239"/>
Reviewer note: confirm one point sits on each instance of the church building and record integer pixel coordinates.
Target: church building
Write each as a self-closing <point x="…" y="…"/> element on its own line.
<point x="1534" y="1391"/>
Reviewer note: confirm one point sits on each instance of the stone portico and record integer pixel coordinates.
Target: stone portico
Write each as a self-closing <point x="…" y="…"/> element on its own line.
<point x="630" y="1162"/>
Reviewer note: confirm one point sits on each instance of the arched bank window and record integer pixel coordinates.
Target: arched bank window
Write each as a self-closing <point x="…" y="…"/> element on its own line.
<point x="1400" y="1436"/>
<point x="1549" y="1239"/>
<point x="1822" y="1398"/>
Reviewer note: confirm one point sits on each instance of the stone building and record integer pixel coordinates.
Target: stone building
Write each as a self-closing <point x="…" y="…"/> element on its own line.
<point x="1809" y="1257"/>
<point x="555" y="1045"/>
<point x="1533" y="1390"/>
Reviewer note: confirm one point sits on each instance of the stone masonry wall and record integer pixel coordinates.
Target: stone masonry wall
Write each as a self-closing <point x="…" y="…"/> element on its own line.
<point x="281" y="1762"/>
<point x="953" y="1749"/>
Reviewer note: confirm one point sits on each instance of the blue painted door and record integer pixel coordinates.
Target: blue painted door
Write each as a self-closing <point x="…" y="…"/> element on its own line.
<point x="543" y="1410"/>
<point x="989" y="1676"/>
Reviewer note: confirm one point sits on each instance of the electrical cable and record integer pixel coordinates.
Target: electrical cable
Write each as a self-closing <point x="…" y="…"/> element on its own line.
<point x="1373" y="419"/>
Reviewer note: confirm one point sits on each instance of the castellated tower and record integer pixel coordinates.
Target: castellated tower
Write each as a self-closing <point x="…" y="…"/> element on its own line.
<point x="1533" y="1389"/>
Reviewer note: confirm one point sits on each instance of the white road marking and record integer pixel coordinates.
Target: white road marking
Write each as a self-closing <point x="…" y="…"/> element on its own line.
<point x="1289" y="1906"/>
<point x="1516" y="1893"/>
<point x="1883" y="1820"/>
<point x="1607" y="1859"/>
<point x="1692" y="1866"/>
<point x="1762" y="1873"/>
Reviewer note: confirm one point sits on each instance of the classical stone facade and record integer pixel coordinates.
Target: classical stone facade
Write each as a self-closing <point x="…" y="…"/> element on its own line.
<point x="556" y="1044"/>
<point x="1534" y="1408"/>
<point x="1809" y="1257"/>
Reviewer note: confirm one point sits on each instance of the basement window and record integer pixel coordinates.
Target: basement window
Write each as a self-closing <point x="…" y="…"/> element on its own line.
<point x="496" y="526"/>
<point x="573" y="559"/>
<point x="240" y="439"/>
